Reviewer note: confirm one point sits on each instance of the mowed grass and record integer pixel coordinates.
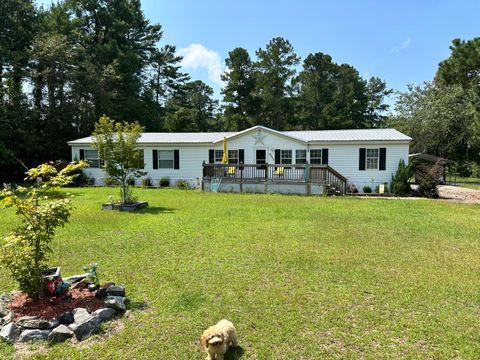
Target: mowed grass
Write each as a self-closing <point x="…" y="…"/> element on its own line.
<point x="300" y="277"/>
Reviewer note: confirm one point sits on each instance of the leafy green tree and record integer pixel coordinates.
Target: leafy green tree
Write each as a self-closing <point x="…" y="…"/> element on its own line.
<point x="18" y="26"/>
<point x="376" y="92"/>
<point x="116" y="143"/>
<point x="41" y="209"/>
<point x="441" y="120"/>
<point x="463" y="65"/>
<point x="192" y="108"/>
<point x="331" y="96"/>
<point x="276" y="70"/>
<point x="241" y="104"/>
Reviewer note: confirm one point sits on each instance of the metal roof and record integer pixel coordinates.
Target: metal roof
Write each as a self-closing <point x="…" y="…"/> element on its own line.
<point x="305" y="136"/>
<point x="349" y="135"/>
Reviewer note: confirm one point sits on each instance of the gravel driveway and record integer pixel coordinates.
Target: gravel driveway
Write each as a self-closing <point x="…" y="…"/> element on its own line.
<point x="459" y="194"/>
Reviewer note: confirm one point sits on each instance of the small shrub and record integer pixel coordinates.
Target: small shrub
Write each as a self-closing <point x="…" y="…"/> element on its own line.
<point x="475" y="169"/>
<point x="400" y="184"/>
<point x="109" y="181"/>
<point x="82" y="179"/>
<point x="352" y="189"/>
<point x="147" y="182"/>
<point x="182" y="184"/>
<point x="464" y="169"/>
<point x="165" y="181"/>
<point x="41" y="209"/>
<point x="131" y="181"/>
<point x="91" y="269"/>
<point x="367" y="189"/>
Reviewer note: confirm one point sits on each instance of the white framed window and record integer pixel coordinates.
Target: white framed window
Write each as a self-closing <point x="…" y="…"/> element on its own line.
<point x="300" y="156"/>
<point x="315" y="156"/>
<point x="285" y="156"/>
<point x="233" y="156"/>
<point x="92" y="157"/>
<point x="218" y="156"/>
<point x="141" y="160"/>
<point x="165" y="159"/>
<point x="372" y="159"/>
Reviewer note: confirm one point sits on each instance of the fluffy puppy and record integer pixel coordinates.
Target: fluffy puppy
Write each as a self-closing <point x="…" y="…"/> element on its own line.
<point x="218" y="338"/>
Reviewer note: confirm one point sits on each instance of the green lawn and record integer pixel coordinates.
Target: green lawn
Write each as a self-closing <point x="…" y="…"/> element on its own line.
<point x="300" y="277"/>
<point x="470" y="186"/>
<point x="463" y="179"/>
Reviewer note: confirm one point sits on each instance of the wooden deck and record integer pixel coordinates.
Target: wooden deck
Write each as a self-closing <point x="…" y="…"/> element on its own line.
<point x="302" y="176"/>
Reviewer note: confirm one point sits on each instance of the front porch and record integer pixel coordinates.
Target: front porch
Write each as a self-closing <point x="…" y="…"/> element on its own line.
<point x="303" y="179"/>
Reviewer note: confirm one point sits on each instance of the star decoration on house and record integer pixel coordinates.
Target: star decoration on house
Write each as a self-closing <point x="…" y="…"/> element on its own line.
<point x="259" y="138"/>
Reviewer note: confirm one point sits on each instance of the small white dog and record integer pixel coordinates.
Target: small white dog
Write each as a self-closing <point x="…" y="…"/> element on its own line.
<point x="218" y="338"/>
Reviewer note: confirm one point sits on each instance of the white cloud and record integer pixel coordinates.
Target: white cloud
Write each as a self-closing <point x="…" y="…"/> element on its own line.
<point x="401" y="46"/>
<point x="196" y="56"/>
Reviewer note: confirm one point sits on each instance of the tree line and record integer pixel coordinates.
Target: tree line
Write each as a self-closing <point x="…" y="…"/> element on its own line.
<point x="64" y="66"/>
<point x="443" y="115"/>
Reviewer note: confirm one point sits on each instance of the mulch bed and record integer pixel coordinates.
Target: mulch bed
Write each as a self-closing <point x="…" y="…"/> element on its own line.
<point x="52" y="307"/>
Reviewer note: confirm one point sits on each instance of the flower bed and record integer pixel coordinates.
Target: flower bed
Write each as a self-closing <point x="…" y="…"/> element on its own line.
<point x="73" y="316"/>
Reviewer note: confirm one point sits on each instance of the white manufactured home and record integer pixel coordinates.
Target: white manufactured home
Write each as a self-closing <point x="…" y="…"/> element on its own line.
<point x="263" y="159"/>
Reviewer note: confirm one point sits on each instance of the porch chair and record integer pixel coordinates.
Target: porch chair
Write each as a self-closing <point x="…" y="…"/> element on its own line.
<point x="279" y="171"/>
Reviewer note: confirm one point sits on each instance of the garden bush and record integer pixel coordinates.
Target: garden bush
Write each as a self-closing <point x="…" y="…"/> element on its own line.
<point x="182" y="184"/>
<point x="400" y="184"/>
<point x="131" y="181"/>
<point x="367" y="189"/>
<point x="165" y="181"/>
<point x="147" y="182"/>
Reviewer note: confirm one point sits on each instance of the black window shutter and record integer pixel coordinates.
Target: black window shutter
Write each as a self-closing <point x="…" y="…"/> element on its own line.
<point x="325" y="156"/>
<point x="383" y="159"/>
<point x="211" y="156"/>
<point x="82" y="154"/>
<point x="277" y="156"/>
<point x="155" y="159"/>
<point x="241" y="156"/>
<point x="176" y="159"/>
<point x="361" y="159"/>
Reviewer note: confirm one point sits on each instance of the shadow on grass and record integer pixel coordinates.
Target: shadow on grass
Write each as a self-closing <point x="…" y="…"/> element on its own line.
<point x="154" y="210"/>
<point x="234" y="353"/>
<point x="137" y="305"/>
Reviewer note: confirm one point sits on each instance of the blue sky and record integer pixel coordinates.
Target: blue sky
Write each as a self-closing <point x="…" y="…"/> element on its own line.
<point x="399" y="41"/>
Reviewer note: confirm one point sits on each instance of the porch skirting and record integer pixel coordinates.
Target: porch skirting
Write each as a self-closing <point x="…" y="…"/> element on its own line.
<point x="265" y="187"/>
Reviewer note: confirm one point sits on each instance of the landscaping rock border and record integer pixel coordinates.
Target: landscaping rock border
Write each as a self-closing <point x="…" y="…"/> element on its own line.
<point x="79" y="324"/>
<point x="125" y="207"/>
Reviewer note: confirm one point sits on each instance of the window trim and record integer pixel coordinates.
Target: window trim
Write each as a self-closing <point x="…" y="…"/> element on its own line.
<point x="237" y="157"/>
<point x="215" y="159"/>
<point x="91" y="159"/>
<point x="282" y="158"/>
<point x="372" y="157"/>
<point x="317" y="160"/>
<point x="159" y="151"/>
<point x="300" y="158"/>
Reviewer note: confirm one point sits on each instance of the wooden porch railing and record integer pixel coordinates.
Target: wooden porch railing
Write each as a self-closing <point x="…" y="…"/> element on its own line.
<point x="300" y="173"/>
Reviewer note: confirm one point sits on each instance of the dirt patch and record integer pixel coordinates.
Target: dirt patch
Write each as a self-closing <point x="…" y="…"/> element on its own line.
<point x="52" y="307"/>
<point x="459" y="194"/>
